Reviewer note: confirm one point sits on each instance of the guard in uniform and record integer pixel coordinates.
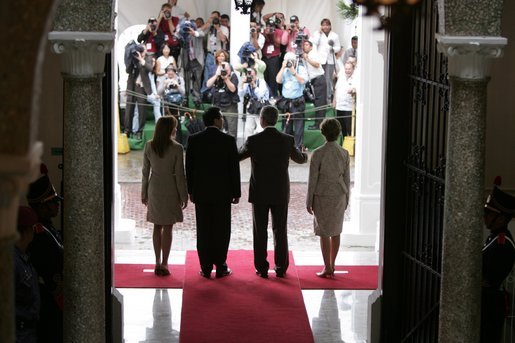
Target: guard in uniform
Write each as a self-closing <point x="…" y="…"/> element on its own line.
<point x="498" y="257"/>
<point x="46" y="252"/>
<point x="26" y="279"/>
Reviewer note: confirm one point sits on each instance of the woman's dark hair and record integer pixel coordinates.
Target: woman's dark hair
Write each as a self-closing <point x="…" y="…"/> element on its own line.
<point x="163" y="134"/>
<point x="331" y="129"/>
<point x="325" y="21"/>
<point x="163" y="46"/>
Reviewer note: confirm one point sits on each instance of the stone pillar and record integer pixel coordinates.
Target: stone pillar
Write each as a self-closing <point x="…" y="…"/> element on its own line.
<point x="83" y="56"/>
<point x="16" y="172"/>
<point x="460" y="298"/>
<point x="366" y="194"/>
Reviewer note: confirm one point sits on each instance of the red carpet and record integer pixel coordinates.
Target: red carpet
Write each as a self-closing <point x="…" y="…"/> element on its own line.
<point x="142" y="276"/>
<point x="242" y="307"/>
<point x="346" y="277"/>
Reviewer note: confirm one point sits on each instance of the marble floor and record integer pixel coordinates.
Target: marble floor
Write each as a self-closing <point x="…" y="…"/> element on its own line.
<point x="154" y="315"/>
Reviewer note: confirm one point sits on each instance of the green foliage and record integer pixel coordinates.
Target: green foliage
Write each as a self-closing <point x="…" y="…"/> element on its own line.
<point x="347" y="11"/>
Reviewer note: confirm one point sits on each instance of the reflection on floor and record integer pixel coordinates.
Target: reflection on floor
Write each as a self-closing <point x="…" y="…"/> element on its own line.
<point x="153" y="315"/>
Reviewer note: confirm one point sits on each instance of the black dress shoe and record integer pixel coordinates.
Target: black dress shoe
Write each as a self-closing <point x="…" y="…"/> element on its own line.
<point x="203" y="274"/>
<point x="280" y="273"/>
<point x="225" y="272"/>
<point x="264" y="275"/>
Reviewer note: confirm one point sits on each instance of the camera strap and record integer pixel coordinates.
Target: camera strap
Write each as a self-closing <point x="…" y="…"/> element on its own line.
<point x="251" y="90"/>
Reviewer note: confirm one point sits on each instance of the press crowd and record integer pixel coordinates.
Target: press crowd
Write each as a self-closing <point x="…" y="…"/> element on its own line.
<point x="175" y="59"/>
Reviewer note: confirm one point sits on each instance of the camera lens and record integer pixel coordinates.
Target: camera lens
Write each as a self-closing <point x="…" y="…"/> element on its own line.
<point x="168" y="14"/>
<point x="289" y="64"/>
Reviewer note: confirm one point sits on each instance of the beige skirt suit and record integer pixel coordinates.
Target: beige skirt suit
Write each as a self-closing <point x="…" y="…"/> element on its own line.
<point x="329" y="188"/>
<point x="164" y="184"/>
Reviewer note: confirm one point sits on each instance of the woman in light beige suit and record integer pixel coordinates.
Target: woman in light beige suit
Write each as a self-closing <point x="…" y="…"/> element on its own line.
<point x="328" y="192"/>
<point x="163" y="188"/>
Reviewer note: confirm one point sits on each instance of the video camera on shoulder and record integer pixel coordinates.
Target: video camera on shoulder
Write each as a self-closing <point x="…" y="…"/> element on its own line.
<point x="185" y="29"/>
<point x="136" y="49"/>
<point x="299" y="40"/>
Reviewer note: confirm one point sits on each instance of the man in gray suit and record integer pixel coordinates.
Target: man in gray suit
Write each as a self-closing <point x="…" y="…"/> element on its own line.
<point x="213" y="177"/>
<point x="269" y="191"/>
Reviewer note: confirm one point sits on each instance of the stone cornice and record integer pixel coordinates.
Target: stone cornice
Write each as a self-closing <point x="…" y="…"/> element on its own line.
<point x="83" y="53"/>
<point x="470" y="57"/>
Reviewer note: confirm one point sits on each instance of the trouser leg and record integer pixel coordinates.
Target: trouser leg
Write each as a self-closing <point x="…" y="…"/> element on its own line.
<point x="279" y="223"/>
<point x="260" y="236"/>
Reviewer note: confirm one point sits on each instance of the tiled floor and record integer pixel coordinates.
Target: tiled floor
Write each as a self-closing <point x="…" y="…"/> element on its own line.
<point x="153" y="315"/>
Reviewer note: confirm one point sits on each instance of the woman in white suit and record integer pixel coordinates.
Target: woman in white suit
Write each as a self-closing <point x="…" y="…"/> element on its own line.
<point x="328" y="193"/>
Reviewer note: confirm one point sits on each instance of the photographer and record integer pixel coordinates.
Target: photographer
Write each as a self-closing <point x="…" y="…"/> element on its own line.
<point x="327" y="44"/>
<point x="216" y="38"/>
<point x="256" y="38"/>
<point x="316" y="90"/>
<point x="223" y="86"/>
<point x="256" y="91"/>
<point x="168" y="24"/>
<point x="292" y="34"/>
<point x="293" y="77"/>
<point x="255" y="11"/>
<point x="172" y="91"/>
<point x="271" y="52"/>
<point x="139" y="90"/>
<point x="152" y="37"/>
<point x="192" y="55"/>
<point x="249" y="59"/>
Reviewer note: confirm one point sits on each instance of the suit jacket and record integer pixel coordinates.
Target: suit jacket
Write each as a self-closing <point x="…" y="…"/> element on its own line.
<point x="270" y="152"/>
<point x="212" y="167"/>
<point x="329" y="172"/>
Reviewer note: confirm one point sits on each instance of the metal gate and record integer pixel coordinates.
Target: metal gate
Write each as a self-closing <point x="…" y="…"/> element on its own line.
<point x="425" y="172"/>
<point x="418" y="105"/>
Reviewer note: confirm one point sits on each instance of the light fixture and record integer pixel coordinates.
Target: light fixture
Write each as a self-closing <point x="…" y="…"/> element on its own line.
<point x="243" y="5"/>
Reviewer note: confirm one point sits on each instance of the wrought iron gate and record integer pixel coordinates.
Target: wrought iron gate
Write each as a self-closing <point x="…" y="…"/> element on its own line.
<point x="425" y="171"/>
<point x="422" y="166"/>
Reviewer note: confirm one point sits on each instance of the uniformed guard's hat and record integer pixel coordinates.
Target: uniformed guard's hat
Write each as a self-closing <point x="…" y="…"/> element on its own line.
<point x="42" y="190"/>
<point x="27" y="216"/>
<point x="499" y="201"/>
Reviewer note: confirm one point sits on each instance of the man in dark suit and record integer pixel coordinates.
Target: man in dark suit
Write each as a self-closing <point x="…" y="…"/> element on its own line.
<point x="270" y="152"/>
<point x="213" y="174"/>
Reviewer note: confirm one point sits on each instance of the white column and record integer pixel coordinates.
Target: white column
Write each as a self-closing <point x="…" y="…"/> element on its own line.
<point x="366" y="195"/>
<point x="240" y="28"/>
